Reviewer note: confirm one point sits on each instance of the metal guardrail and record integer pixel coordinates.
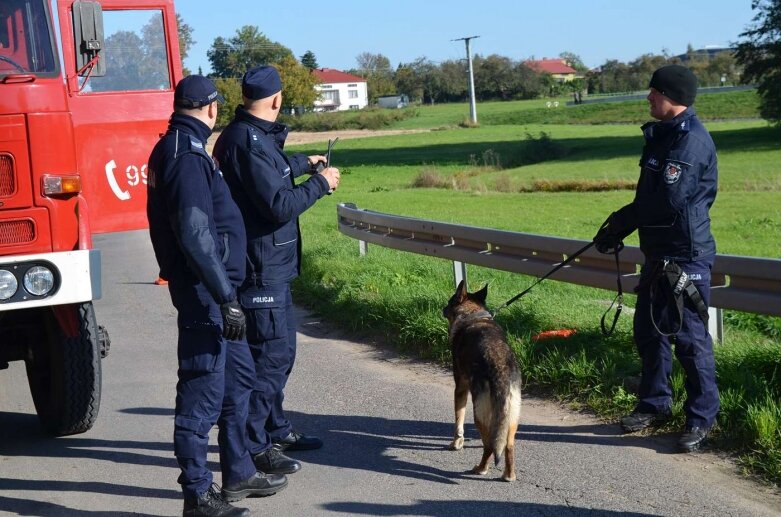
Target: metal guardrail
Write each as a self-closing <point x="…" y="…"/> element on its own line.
<point x="746" y="284"/>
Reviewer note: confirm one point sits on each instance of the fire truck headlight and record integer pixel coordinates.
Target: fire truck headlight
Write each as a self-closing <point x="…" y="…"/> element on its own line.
<point x="53" y="184"/>
<point x="8" y="284"/>
<point x="38" y="280"/>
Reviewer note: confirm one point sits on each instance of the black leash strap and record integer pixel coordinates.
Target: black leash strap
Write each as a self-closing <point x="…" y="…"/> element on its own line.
<point x="619" y="298"/>
<point x="549" y="273"/>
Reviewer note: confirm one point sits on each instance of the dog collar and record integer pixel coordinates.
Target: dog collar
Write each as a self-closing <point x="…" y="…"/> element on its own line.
<point x="479" y="315"/>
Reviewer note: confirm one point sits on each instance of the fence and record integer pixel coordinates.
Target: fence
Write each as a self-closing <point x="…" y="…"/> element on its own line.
<point x="745" y="284"/>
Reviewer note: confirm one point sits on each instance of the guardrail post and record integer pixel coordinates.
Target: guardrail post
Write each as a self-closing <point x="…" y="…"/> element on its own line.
<point x="362" y="246"/>
<point x="716" y="323"/>
<point x="459" y="272"/>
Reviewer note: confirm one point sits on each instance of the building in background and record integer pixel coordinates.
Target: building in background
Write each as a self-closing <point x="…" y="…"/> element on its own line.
<point x="393" y="101"/>
<point x="557" y="68"/>
<point x="340" y="91"/>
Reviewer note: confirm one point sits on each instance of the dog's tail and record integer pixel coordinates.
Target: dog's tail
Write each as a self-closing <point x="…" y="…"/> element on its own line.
<point x="506" y="414"/>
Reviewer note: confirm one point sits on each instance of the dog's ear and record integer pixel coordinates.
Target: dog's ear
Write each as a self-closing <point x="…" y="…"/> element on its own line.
<point x="461" y="293"/>
<point x="482" y="294"/>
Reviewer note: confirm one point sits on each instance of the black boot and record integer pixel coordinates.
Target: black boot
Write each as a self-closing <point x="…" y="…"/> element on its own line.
<point x="211" y="504"/>
<point x="272" y="461"/>
<point x="692" y="438"/>
<point x="259" y="484"/>
<point x="298" y="442"/>
<point x="637" y="420"/>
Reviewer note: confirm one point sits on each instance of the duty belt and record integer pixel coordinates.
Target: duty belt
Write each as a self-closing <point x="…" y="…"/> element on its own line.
<point x="680" y="284"/>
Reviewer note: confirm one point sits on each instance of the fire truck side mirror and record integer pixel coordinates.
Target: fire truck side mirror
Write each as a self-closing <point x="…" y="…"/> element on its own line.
<point x="88" y="37"/>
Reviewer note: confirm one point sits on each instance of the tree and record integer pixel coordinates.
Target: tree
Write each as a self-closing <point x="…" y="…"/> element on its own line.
<point x="612" y="77"/>
<point x="721" y="66"/>
<point x="408" y="82"/>
<point x="230" y="89"/>
<point x="574" y="61"/>
<point x="248" y="48"/>
<point x="309" y="60"/>
<point x="298" y="83"/>
<point x="493" y="77"/>
<point x="376" y="69"/>
<point x="450" y="82"/>
<point x="186" y="40"/>
<point x="760" y="55"/>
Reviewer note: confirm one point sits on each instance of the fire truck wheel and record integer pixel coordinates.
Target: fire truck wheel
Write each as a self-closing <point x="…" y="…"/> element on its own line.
<point x="65" y="376"/>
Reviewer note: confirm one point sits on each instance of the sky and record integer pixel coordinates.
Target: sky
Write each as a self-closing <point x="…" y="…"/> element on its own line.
<point x="404" y="30"/>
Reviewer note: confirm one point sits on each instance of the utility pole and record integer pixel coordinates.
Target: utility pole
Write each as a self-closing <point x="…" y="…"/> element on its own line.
<point x="472" y="103"/>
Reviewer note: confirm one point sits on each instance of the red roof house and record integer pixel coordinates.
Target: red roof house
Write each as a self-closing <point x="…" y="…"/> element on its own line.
<point x="558" y="68"/>
<point x="340" y="91"/>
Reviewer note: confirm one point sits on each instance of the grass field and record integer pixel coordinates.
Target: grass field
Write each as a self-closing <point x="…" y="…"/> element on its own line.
<point x="400" y="296"/>
<point x="710" y="106"/>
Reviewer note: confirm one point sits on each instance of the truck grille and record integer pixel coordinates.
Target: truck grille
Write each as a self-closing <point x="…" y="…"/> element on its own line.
<point x="16" y="231"/>
<point x="7" y="185"/>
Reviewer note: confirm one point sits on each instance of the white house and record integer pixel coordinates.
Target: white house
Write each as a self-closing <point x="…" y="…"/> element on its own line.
<point x="340" y="91"/>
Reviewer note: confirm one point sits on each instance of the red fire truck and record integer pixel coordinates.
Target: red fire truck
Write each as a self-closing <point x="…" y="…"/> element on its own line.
<point x="86" y="88"/>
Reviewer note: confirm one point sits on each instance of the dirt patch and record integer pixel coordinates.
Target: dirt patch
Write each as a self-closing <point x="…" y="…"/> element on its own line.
<point x="302" y="137"/>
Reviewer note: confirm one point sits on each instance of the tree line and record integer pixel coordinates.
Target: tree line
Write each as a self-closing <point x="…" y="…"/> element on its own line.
<point x="756" y="59"/>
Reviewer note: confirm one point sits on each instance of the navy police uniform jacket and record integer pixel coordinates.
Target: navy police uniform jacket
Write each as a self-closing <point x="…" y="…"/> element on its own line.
<point x="676" y="189"/>
<point x="196" y="228"/>
<point x="260" y="176"/>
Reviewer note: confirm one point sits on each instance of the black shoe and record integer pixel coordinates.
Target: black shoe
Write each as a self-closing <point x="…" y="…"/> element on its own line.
<point x="636" y="421"/>
<point x="692" y="438"/>
<point x="298" y="442"/>
<point x="211" y="504"/>
<point x="272" y="461"/>
<point x="259" y="484"/>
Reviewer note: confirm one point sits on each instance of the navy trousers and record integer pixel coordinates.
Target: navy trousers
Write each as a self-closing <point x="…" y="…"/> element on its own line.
<point x="693" y="348"/>
<point x="271" y="332"/>
<point x="216" y="377"/>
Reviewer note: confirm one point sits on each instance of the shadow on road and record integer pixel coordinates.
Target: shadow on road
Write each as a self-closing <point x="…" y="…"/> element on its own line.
<point x="363" y="443"/>
<point x="470" y="508"/>
<point x="24" y="507"/>
<point x="20" y="435"/>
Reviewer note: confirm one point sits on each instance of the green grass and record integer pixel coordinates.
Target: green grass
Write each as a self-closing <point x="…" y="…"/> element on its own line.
<point x="400" y="295"/>
<point x="710" y="106"/>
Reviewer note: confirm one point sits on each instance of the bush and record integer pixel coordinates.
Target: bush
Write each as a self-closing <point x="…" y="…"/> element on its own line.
<point x="430" y="178"/>
<point x="369" y="118"/>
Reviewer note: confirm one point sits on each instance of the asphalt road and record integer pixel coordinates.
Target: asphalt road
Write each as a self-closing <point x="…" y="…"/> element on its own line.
<point x="386" y="423"/>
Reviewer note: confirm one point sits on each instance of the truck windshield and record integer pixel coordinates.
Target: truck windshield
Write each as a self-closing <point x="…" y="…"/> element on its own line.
<point x="25" y="38"/>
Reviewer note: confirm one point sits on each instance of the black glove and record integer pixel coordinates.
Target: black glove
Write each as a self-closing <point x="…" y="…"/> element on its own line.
<point x="609" y="239"/>
<point x="234" y="323"/>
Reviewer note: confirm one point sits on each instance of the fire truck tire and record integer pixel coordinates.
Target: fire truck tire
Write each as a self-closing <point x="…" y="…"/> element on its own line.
<point x="64" y="374"/>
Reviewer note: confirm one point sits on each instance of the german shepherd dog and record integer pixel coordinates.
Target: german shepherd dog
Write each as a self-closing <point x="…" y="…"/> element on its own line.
<point x="484" y="366"/>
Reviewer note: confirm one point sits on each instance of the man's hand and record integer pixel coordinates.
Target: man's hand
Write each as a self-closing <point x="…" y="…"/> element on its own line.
<point x="314" y="160"/>
<point x="234" y="323"/>
<point x="332" y="176"/>
<point x="608" y="240"/>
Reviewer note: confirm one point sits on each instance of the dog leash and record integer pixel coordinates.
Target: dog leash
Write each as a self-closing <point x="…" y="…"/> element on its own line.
<point x="619" y="297"/>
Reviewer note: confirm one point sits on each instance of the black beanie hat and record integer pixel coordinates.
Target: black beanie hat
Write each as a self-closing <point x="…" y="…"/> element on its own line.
<point x="676" y="82"/>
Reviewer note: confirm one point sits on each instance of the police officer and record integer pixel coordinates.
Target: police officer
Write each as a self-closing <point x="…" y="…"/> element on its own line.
<point x="199" y="241"/>
<point x="261" y="178"/>
<point x="677" y="186"/>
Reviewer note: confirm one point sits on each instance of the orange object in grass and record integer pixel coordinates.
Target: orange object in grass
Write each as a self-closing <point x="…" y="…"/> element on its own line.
<point x="562" y="333"/>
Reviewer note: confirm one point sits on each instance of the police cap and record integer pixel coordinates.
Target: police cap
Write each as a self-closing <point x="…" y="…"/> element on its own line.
<point x="195" y="91"/>
<point x="261" y="82"/>
<point x="676" y="82"/>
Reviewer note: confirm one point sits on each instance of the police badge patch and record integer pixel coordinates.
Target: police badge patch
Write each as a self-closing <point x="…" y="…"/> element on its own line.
<point x="672" y="172"/>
